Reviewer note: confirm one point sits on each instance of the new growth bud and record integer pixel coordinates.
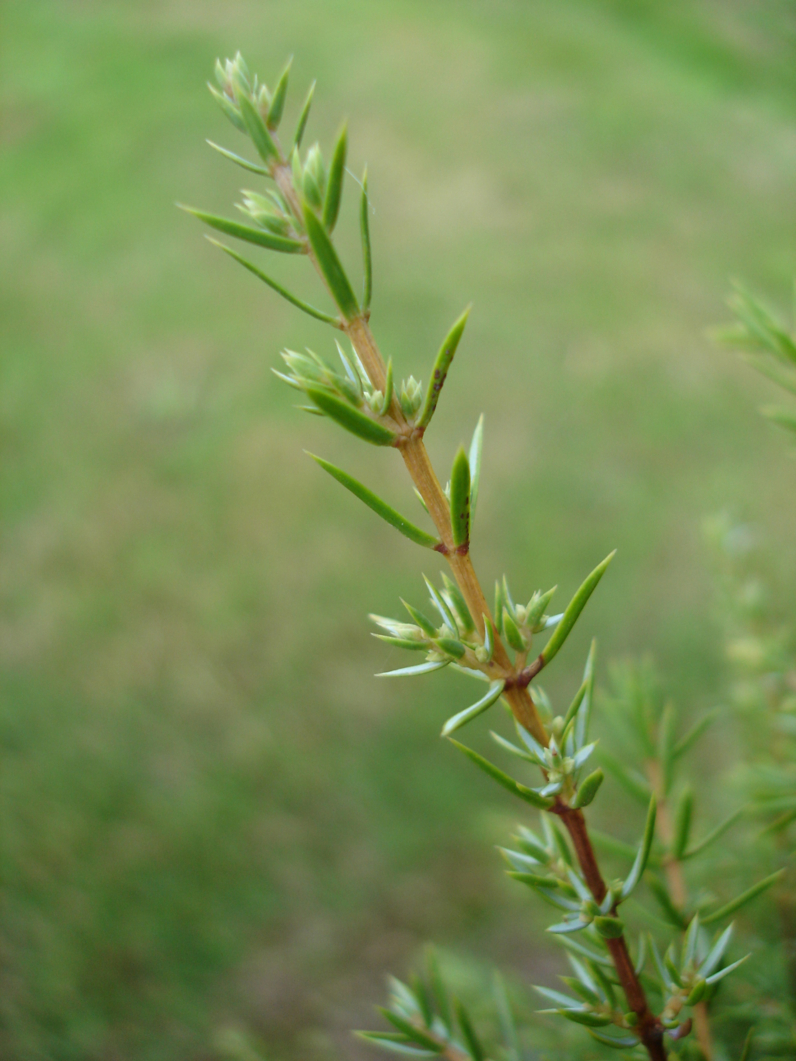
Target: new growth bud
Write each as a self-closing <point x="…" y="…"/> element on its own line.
<point x="410" y="397"/>
<point x="314" y="178"/>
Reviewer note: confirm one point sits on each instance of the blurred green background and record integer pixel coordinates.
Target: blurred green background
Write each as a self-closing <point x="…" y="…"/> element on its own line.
<point x="212" y="815"/>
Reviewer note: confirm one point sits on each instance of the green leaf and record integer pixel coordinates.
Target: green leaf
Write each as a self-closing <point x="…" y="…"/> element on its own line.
<point x="474" y="457"/>
<point x="584" y="714"/>
<point x="572" y="924"/>
<point x="349" y="417"/>
<point x="689" y="740"/>
<point x="587" y="789"/>
<point x="506" y="745"/>
<point x="609" y="927"/>
<point x="697" y="993"/>
<point x="440" y="604"/>
<point x="440" y="370"/>
<point x="313" y="180"/>
<point x="682" y="822"/>
<point x="643" y="852"/>
<point x="422" y="1000"/>
<point x="714" y="835"/>
<point x="476" y="675"/>
<point x="574" y="707"/>
<point x="512" y="632"/>
<point x="559" y="998"/>
<point x="247" y="232"/>
<point x="716" y="953"/>
<point x="747" y="1046"/>
<point x="381" y="508"/>
<point x="742" y="899"/>
<point x="408" y="643"/>
<point x="408" y="1029"/>
<point x="602" y="978"/>
<point x="451" y="645"/>
<point x="471" y="1041"/>
<point x="533" y="880"/>
<point x="440" y="994"/>
<point x="299" y="303"/>
<point x="296" y="171"/>
<point x="305" y="113"/>
<point x="395" y="1042"/>
<point x="329" y="264"/>
<point x="334" y="184"/>
<point x="671" y="965"/>
<point x="618" y="1042"/>
<point x="364" y="225"/>
<point x="594" y="956"/>
<point x="388" y="390"/>
<point x="583" y="982"/>
<point x="257" y="130"/>
<point x="238" y="160"/>
<point x="469" y="713"/>
<point x="690" y="943"/>
<point x="500" y="603"/>
<point x="666" y="745"/>
<point x="573" y="610"/>
<point x="277" y="107"/>
<point x="589" y="1020"/>
<point x="537" y="605"/>
<point x="458" y="604"/>
<point x="228" y="107"/>
<point x="408" y="672"/>
<point x="460" y="499"/>
<point x="422" y="620"/>
<point x="489" y="636"/>
<point x="401" y="996"/>
<point x="507" y="782"/>
<point x="670" y="911"/>
<point x="714" y="979"/>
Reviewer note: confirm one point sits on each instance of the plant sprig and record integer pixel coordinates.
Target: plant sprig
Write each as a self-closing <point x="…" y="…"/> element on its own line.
<point x="298" y="214"/>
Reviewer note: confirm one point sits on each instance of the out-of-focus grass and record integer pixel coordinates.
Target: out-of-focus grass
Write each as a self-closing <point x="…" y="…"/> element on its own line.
<point x="211" y="813"/>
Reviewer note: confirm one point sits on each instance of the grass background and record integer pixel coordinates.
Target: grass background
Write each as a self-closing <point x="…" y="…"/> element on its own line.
<point x="212" y="815"/>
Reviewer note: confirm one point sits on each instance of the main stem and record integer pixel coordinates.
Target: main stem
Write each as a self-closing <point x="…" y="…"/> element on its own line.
<point x="428" y="486"/>
<point x="519" y="699"/>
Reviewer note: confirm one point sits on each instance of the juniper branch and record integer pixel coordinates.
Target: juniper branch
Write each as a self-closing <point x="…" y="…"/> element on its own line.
<point x="301" y="223"/>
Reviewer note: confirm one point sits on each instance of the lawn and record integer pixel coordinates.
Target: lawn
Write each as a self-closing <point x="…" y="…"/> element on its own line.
<point x="212" y="815"/>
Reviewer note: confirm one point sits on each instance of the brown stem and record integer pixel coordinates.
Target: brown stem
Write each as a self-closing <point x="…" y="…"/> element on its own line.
<point x="425" y="479"/>
<point x="673" y="870"/>
<point x="648" y="1027"/>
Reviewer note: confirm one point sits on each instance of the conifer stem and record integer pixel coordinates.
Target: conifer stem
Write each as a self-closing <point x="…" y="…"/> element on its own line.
<point x="516" y="694"/>
<point x="649" y="1027"/>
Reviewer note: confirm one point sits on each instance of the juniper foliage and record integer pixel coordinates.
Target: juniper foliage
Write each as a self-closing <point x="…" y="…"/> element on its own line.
<point x="649" y="950"/>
